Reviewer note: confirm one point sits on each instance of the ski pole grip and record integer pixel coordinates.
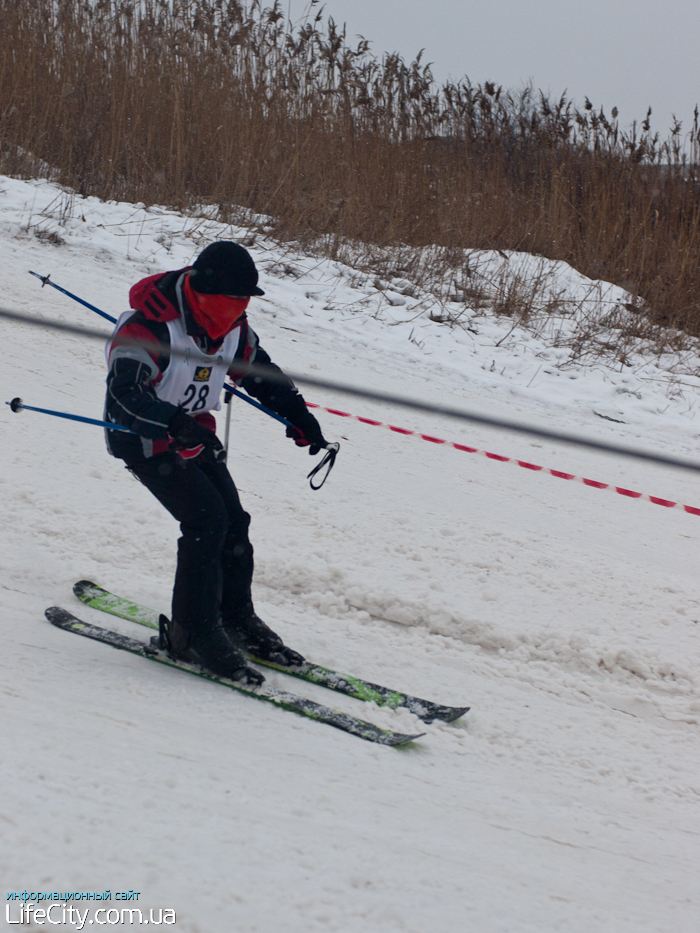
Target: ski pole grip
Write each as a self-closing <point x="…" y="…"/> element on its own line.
<point x="15" y="404"/>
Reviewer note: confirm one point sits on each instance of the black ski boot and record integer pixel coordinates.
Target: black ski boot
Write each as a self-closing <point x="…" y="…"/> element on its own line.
<point x="210" y="647"/>
<point x="250" y="634"/>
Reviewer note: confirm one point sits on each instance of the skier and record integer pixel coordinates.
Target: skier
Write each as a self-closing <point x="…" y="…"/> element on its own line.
<point x="200" y="311"/>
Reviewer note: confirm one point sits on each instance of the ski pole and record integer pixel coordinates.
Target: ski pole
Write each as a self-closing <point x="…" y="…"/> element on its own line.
<point x="45" y="280"/>
<point x="18" y="405"/>
<point x="251" y="401"/>
<point x="227" y="403"/>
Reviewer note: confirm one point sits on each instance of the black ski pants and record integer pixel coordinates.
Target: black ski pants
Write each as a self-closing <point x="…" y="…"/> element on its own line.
<point x="214" y="555"/>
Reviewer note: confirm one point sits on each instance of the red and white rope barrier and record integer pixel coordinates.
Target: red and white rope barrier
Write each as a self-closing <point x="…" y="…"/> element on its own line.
<point x="667" y="503"/>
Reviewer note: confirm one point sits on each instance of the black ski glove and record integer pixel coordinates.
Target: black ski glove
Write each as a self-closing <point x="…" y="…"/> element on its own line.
<point x="187" y="433"/>
<point x="306" y="432"/>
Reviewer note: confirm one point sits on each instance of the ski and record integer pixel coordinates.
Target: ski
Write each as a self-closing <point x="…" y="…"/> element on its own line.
<point x="98" y="598"/>
<point x="365" y="730"/>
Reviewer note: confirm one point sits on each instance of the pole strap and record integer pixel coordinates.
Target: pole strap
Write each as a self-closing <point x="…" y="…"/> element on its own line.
<point x="328" y="462"/>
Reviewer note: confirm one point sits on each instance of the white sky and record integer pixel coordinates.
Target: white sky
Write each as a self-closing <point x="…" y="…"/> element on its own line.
<point x="626" y="53"/>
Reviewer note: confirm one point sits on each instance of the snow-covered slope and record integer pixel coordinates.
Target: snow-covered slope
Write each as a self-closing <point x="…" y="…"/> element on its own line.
<point x="569" y="618"/>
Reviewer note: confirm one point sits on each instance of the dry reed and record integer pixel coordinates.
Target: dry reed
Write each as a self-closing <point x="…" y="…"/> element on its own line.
<point x="190" y="102"/>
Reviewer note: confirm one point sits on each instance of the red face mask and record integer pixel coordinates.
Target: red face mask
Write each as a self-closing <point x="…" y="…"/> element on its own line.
<point x="215" y="313"/>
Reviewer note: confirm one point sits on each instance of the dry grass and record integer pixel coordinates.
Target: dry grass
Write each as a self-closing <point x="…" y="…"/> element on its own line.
<point x="190" y="102"/>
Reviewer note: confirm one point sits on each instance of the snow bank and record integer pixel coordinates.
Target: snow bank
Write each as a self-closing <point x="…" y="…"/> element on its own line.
<point x="568" y="618"/>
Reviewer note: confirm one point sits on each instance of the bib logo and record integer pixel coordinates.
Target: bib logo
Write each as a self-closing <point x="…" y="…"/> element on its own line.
<point x="202" y="374"/>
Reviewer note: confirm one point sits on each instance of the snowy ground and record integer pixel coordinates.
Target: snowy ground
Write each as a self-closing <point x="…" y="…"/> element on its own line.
<point x="569" y="618"/>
